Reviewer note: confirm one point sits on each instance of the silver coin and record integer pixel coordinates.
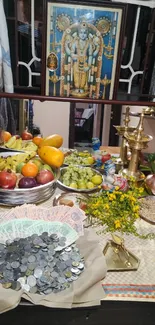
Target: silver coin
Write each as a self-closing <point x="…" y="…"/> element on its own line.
<point x="74" y="277"/>
<point x="38" y="272"/>
<point x="31" y="281"/>
<point x="75" y="264"/>
<point x="22" y="281"/>
<point x="32" y="266"/>
<point x="24" y="260"/>
<point x="18" y="286"/>
<point x="68" y="249"/>
<point x="33" y="289"/>
<point x="54" y="274"/>
<point x="31" y="259"/>
<point x="68" y="263"/>
<point x="74" y="270"/>
<point x="15" y="265"/>
<point x="81" y="266"/>
<point x="26" y="287"/>
<point x="43" y="263"/>
<point x="48" y="291"/>
<point x="8" y="266"/>
<point x="61" y="280"/>
<point x="23" y="268"/>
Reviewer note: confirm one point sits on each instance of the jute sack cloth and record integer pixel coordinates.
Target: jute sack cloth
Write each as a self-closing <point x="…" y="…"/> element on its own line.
<point x="86" y="291"/>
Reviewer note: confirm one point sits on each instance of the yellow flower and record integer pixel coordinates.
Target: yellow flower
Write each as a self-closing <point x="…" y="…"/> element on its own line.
<point x="136" y="215"/>
<point x="117" y="188"/>
<point x="135" y="208"/>
<point x="141" y="190"/>
<point x="132" y="199"/>
<point x="117" y="224"/>
<point x="112" y="197"/>
<point x="106" y="206"/>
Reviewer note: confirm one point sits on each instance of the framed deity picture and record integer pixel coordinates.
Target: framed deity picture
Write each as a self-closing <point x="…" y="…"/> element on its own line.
<point x="83" y="49"/>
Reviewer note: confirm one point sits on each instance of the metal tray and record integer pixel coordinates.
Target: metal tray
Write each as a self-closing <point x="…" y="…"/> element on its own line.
<point x="151" y="217"/>
<point x="64" y="169"/>
<point x="118" y="260"/>
<point x="70" y="196"/>
<point x="36" y="194"/>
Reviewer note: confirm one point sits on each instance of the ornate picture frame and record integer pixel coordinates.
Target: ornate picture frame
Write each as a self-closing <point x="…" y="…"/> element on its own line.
<point x="83" y="49"/>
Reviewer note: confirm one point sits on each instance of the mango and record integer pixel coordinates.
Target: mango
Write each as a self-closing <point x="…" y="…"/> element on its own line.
<point x="51" y="156"/>
<point x="54" y="140"/>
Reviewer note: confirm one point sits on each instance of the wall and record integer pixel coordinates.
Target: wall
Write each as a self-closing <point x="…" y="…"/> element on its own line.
<point x="53" y="117"/>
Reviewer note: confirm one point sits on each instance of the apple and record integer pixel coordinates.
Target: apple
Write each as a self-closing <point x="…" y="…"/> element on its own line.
<point x="26" y="135"/>
<point x="105" y="157"/>
<point x="44" y="177"/>
<point x="7" y="179"/>
<point x="17" y="136"/>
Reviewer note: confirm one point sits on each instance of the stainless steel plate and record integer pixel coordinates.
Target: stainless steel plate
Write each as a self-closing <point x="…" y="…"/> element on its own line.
<point x="64" y="169"/>
<point x="74" y="197"/>
<point x="36" y="194"/>
<point x="148" y="211"/>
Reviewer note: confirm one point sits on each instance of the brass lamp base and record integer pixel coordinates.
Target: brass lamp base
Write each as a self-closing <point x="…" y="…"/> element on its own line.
<point x="138" y="175"/>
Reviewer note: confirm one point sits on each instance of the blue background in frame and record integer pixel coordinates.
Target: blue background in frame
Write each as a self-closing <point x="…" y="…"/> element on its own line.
<point x="77" y="15"/>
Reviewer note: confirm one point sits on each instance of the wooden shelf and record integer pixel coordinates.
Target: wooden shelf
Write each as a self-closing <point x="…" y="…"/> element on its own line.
<point x="76" y="100"/>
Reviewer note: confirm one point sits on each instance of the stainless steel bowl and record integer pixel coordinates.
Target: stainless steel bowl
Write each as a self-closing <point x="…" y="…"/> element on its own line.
<point x="64" y="169"/>
<point x="36" y="194"/>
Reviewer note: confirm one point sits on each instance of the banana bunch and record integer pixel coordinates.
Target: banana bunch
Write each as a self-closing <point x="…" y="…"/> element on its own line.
<point x="11" y="162"/>
<point x="19" y="144"/>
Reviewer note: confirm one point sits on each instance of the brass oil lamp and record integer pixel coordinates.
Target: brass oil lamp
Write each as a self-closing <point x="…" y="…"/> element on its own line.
<point x="122" y="130"/>
<point x="137" y="141"/>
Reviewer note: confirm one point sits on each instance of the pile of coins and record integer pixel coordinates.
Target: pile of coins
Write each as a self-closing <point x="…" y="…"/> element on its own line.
<point x="35" y="265"/>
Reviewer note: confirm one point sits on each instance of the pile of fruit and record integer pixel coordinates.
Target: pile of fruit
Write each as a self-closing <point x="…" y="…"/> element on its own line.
<point x="81" y="178"/>
<point x="16" y="142"/>
<point x="27" y="170"/>
<point x="24" y="171"/>
<point x="79" y="158"/>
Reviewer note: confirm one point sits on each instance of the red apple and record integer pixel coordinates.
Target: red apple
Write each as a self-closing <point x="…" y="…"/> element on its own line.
<point x="44" y="176"/>
<point x="7" y="179"/>
<point x="106" y="157"/>
<point x="26" y="135"/>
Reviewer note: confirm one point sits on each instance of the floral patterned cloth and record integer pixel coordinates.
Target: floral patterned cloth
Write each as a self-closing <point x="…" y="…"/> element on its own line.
<point x="6" y="80"/>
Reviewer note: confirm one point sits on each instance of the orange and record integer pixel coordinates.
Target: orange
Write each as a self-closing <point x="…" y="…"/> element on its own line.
<point x="37" y="140"/>
<point x="5" y="136"/>
<point x="30" y="170"/>
<point x="54" y="140"/>
<point x="51" y="156"/>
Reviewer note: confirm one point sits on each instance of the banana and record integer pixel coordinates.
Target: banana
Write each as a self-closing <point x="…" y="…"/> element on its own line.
<point x="10" y="144"/>
<point x="11" y="162"/>
<point x="30" y="147"/>
<point x="18" y="144"/>
<point x="2" y="165"/>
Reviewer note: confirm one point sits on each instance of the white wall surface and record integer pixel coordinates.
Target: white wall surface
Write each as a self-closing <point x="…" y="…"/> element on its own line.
<point x="53" y="117"/>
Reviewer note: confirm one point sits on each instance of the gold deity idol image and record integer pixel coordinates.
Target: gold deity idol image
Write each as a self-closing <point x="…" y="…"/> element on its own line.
<point x="81" y="61"/>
